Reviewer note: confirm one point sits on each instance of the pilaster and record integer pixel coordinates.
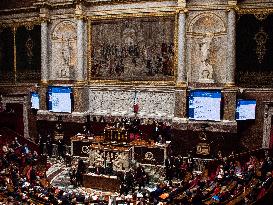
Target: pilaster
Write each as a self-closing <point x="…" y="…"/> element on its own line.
<point x="44" y="45"/>
<point x="181" y="50"/>
<point x="80" y="39"/>
<point x="231" y="47"/>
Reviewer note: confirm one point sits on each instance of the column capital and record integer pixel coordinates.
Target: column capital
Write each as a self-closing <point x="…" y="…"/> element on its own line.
<point x="182" y="10"/>
<point x="181" y="3"/>
<point x="44" y="14"/>
<point x="232" y="8"/>
<point x="80" y="17"/>
<point x="44" y="82"/>
<point x="79" y="12"/>
<point x="44" y="19"/>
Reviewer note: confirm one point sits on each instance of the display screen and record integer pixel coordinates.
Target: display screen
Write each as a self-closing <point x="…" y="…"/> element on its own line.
<point x="35" y="100"/>
<point x="59" y="99"/>
<point x="205" y="105"/>
<point x="245" y="109"/>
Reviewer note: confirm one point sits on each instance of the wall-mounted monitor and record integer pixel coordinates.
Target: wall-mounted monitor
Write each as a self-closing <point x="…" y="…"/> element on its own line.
<point x="35" y="100"/>
<point x="245" y="109"/>
<point x="59" y="99"/>
<point x="205" y="105"/>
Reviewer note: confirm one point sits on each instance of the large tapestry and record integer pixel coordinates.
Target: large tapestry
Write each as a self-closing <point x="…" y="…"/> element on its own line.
<point x="133" y="49"/>
<point x="254" y="50"/>
<point x="28" y="53"/>
<point x="6" y="55"/>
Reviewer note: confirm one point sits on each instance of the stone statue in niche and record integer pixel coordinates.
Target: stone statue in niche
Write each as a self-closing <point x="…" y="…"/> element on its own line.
<point x="29" y="50"/>
<point x="67" y="58"/>
<point x="206" y="69"/>
<point x="64" y="48"/>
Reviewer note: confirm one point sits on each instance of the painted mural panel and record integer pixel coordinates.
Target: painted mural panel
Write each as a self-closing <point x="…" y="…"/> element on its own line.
<point x="6" y="55"/>
<point x="133" y="49"/>
<point x="28" y="53"/>
<point x="254" y="50"/>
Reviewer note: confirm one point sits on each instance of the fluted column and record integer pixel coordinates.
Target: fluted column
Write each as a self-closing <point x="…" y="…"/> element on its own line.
<point x="181" y="70"/>
<point x="231" y="48"/>
<point x="44" y="51"/>
<point x="80" y="50"/>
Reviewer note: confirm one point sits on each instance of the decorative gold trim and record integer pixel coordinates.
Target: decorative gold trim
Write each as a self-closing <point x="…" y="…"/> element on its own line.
<point x="19" y="10"/>
<point x="121" y="16"/>
<point x="79" y="11"/>
<point x="131" y="15"/>
<point x="201" y="34"/>
<point x="44" y="82"/>
<point x="181" y="84"/>
<point x="175" y="41"/>
<point x="242" y="11"/>
<point x="80" y="17"/>
<point x="43" y="19"/>
<point x="114" y="2"/>
<point x="80" y="82"/>
<point x="261" y="16"/>
<point x="233" y="7"/>
<point x="117" y="82"/>
<point x="89" y="58"/>
<point x="27" y="24"/>
<point x="230" y="84"/>
<point x="65" y="82"/>
<point x="14" y="54"/>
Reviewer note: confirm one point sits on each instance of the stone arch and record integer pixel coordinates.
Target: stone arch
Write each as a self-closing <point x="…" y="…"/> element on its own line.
<point x="206" y="22"/>
<point x="65" y="29"/>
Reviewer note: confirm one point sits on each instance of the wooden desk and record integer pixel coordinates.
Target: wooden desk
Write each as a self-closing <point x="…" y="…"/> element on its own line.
<point x="101" y="182"/>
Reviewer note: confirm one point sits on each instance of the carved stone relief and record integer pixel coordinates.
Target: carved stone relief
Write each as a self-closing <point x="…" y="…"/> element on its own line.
<point x="206" y="47"/>
<point x="64" y="47"/>
<point x="120" y="103"/>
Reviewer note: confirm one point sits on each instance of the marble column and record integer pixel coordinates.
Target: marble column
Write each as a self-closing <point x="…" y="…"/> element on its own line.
<point x="80" y="50"/>
<point x="231" y="48"/>
<point x="181" y="54"/>
<point x="44" y="51"/>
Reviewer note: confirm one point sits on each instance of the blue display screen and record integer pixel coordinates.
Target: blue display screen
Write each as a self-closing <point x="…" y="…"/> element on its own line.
<point x="205" y="105"/>
<point x="59" y="99"/>
<point x="245" y="109"/>
<point x="35" y="100"/>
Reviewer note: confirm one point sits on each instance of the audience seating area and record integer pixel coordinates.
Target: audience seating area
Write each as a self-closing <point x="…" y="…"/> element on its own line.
<point x="245" y="178"/>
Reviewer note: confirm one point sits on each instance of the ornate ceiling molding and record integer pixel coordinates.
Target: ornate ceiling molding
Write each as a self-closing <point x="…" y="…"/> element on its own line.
<point x="259" y="12"/>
